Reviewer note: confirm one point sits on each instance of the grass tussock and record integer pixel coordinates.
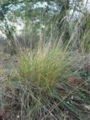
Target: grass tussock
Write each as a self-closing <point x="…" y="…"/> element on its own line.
<point x="34" y="91"/>
<point x="44" y="67"/>
<point x="43" y="84"/>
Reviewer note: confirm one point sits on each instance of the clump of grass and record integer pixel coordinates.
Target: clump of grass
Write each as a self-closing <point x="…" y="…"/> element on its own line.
<point x="35" y="92"/>
<point x="44" y="67"/>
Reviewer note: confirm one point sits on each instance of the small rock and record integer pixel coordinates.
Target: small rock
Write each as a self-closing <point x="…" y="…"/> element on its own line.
<point x="87" y="107"/>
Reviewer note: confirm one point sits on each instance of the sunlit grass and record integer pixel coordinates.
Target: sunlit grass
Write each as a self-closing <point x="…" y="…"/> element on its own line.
<point x="45" y="67"/>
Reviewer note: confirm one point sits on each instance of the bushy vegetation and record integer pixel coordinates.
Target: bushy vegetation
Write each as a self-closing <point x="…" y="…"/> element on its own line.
<point x="45" y="66"/>
<point x="45" y="71"/>
<point x="41" y="83"/>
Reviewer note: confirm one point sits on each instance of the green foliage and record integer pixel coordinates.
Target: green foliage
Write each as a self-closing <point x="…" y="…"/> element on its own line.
<point x="46" y="81"/>
<point x="85" y="42"/>
<point x="88" y="23"/>
<point x="44" y="67"/>
<point x="36" y="87"/>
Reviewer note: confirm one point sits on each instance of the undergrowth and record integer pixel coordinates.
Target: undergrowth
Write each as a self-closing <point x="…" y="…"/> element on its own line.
<point x="39" y="88"/>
